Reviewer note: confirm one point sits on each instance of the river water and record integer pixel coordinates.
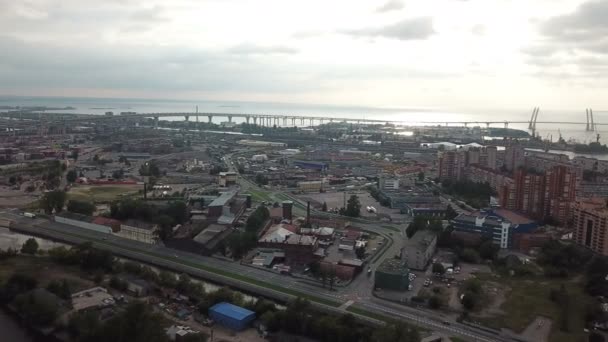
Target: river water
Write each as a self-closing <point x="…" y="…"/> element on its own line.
<point x="12" y="331"/>
<point x="9" y="328"/>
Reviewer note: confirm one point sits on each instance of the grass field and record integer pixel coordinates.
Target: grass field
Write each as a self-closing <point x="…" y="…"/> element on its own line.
<point x="530" y="297"/>
<point x="102" y="193"/>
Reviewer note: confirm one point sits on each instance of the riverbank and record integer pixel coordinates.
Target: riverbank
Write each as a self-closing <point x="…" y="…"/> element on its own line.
<point x="14" y="330"/>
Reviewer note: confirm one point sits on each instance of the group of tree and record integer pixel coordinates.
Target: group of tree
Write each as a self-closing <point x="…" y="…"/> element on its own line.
<point x="53" y="201"/>
<point x="30" y="246"/>
<point x="300" y="318"/>
<point x="84" y="255"/>
<point x="563" y="300"/>
<point x="375" y="193"/>
<point x="561" y="259"/>
<point x="81" y="207"/>
<point x="124" y="160"/>
<point x="475" y="194"/>
<point x="422" y="222"/>
<point x="257" y="219"/>
<point x="138" y="322"/>
<point x="216" y="169"/>
<point x="7" y="254"/>
<point x="353" y="207"/>
<point x="261" y="179"/>
<point x="175" y="212"/>
<point x="71" y="176"/>
<point x="37" y="306"/>
<point x="259" y="129"/>
<point x="52" y="174"/>
<point x="240" y="242"/>
<point x="473" y="295"/>
<point x="149" y="169"/>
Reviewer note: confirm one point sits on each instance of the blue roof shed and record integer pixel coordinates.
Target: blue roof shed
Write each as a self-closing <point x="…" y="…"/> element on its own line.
<point x="231" y="316"/>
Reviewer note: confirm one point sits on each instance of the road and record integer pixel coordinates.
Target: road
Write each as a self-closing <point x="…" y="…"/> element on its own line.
<point x="233" y="274"/>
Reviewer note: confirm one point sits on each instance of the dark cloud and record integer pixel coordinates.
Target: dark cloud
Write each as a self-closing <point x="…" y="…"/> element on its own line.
<point x="144" y="68"/>
<point x="573" y="45"/>
<point x="587" y="23"/>
<point x="391" y="5"/>
<point x="408" y="29"/>
<point x="250" y="49"/>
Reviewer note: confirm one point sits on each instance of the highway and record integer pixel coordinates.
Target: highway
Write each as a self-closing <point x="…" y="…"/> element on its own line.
<point x="243" y="277"/>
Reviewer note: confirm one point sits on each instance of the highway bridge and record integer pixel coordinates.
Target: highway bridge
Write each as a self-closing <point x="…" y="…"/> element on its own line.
<point x="287" y="119"/>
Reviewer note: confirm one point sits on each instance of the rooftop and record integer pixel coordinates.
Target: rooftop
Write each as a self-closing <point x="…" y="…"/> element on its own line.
<point x="209" y="233"/>
<point x="231" y="310"/>
<point x="223" y="199"/>
<point x="393" y="266"/>
<point x="278" y="233"/>
<point x="421" y="239"/>
<point x="93" y="297"/>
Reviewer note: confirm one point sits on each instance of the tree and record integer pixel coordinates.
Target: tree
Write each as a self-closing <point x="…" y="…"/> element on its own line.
<point x="488" y="250"/>
<point x="596" y="337"/>
<point x="167" y="279"/>
<point x="53" y="201"/>
<point x="38" y="306"/>
<point x="178" y="211"/>
<point x="71" y="176"/>
<point x="184" y="285"/>
<point x="149" y="169"/>
<point x="81" y="207"/>
<point x="421" y="176"/>
<point x="397" y="332"/>
<point x="324" y="207"/>
<point x="438" y="268"/>
<point x="353" y="206"/>
<point x="60" y="288"/>
<point x="450" y="213"/>
<point x="30" y="246"/>
<point x="261" y="179"/>
<point x="360" y="252"/>
<point x="469" y="301"/>
<point x="17" y="284"/>
<point x="137" y="323"/>
<point x="118" y="174"/>
<point x="470" y="255"/>
<point x="435" y="302"/>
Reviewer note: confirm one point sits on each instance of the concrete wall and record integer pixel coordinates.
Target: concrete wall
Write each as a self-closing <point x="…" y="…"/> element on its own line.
<point x="83" y="224"/>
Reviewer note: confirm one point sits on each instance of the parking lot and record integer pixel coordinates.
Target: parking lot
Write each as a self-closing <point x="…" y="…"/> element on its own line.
<point x="338" y="199"/>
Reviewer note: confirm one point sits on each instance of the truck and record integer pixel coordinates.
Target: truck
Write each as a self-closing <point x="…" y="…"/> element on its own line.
<point x="30" y="215"/>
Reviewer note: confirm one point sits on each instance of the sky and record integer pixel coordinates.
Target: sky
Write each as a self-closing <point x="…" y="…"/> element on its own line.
<point x="449" y="54"/>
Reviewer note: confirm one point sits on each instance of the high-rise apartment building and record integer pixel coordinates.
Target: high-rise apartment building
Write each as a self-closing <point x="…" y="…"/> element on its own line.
<point x="447" y="165"/>
<point x="539" y="195"/>
<point x="514" y="157"/>
<point x="590" y="222"/>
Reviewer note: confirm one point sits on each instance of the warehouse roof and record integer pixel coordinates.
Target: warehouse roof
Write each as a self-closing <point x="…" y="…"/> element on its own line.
<point x="223" y="199"/>
<point x="232" y="311"/>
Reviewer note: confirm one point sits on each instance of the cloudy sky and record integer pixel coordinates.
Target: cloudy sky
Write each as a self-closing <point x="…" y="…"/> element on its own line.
<point x="409" y="53"/>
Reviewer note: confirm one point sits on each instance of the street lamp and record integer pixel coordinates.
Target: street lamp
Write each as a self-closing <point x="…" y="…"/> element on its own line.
<point x="146" y="178"/>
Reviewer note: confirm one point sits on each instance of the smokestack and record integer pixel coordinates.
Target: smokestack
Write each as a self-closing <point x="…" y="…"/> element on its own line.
<point x="287" y="208"/>
<point x="308" y="213"/>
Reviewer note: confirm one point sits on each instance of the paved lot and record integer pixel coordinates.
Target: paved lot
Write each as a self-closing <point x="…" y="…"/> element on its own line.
<point x="337" y="200"/>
